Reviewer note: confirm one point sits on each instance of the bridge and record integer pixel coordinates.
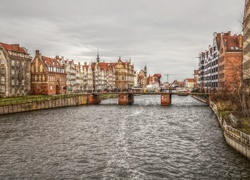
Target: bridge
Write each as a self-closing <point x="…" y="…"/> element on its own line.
<point x="127" y="98"/>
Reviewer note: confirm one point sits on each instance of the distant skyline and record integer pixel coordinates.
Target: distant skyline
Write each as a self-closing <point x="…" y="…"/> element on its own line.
<point x="164" y="35"/>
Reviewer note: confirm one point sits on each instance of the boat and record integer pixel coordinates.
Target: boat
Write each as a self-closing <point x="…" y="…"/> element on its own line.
<point x="183" y="93"/>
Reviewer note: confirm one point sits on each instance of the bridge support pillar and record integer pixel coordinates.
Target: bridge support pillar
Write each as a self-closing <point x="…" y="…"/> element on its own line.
<point x="93" y="99"/>
<point x="126" y="99"/>
<point x="166" y="99"/>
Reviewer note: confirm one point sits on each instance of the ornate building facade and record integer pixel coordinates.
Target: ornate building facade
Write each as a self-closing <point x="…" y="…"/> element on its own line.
<point x="47" y="75"/>
<point x="14" y="70"/>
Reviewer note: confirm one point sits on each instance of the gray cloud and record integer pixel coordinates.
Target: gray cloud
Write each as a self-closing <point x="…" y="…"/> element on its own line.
<point x="165" y="35"/>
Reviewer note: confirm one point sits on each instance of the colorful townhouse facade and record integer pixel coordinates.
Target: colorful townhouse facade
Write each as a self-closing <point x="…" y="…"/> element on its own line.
<point x="124" y="74"/>
<point x="230" y="62"/>
<point x="48" y="75"/>
<point x="142" y="78"/>
<point x="14" y="70"/>
<point x="220" y="66"/>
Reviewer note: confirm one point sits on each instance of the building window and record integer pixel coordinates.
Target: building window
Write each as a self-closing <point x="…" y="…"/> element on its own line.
<point x="41" y="68"/>
<point x="32" y="68"/>
<point x="12" y="82"/>
<point x="51" y="87"/>
<point x="2" y="89"/>
<point x="2" y="61"/>
<point x="13" y="63"/>
<point x="2" y="80"/>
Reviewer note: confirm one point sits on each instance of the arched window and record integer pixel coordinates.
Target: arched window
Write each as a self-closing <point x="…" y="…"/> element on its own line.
<point x="2" y="80"/>
<point x="41" y="68"/>
<point x="32" y="68"/>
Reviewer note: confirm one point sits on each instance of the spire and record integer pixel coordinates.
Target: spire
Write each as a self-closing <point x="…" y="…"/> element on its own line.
<point x="98" y="57"/>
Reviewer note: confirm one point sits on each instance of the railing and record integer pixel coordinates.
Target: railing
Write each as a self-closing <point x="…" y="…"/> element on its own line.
<point x="229" y="130"/>
<point x="238" y="135"/>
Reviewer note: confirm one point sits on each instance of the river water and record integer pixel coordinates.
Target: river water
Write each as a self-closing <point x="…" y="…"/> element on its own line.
<point x="108" y="141"/>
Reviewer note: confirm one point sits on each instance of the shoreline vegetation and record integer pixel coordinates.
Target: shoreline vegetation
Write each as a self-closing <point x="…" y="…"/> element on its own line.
<point x="36" y="98"/>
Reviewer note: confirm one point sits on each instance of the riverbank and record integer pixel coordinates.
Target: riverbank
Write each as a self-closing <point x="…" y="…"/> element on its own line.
<point x="31" y="103"/>
<point x="236" y="139"/>
<point x="44" y="103"/>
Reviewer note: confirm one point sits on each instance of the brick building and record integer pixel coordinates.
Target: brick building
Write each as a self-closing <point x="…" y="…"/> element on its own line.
<point x="230" y="61"/>
<point x="142" y="78"/>
<point x="155" y="79"/>
<point x="220" y="65"/>
<point x="246" y="43"/>
<point x="14" y="70"/>
<point x="124" y="74"/>
<point x="47" y="75"/>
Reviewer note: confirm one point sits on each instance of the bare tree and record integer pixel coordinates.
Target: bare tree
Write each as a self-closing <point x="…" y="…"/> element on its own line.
<point x="21" y="72"/>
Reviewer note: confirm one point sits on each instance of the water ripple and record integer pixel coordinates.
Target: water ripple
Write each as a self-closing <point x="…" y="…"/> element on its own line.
<point x="143" y="141"/>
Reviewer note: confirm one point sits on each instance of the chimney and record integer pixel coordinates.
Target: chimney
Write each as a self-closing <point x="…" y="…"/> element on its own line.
<point x="240" y="41"/>
<point x="37" y="52"/>
<point x="16" y="46"/>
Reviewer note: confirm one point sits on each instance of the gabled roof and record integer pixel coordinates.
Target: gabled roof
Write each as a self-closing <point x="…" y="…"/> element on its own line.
<point x="52" y="62"/>
<point x="14" y="48"/>
<point x="232" y="43"/>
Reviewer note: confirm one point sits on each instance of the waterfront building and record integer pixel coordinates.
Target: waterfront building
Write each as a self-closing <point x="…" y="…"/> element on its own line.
<point x="47" y="75"/>
<point x="155" y="79"/>
<point x="196" y="76"/>
<point x="142" y="78"/>
<point x="108" y="77"/>
<point x="189" y="83"/>
<point x="211" y="64"/>
<point x="208" y="73"/>
<point x="14" y="70"/>
<point x="70" y="69"/>
<point x="79" y="86"/>
<point x="136" y="79"/>
<point x="88" y="85"/>
<point x="230" y="62"/>
<point x="201" y="69"/>
<point x="124" y="74"/>
<point x="246" y="44"/>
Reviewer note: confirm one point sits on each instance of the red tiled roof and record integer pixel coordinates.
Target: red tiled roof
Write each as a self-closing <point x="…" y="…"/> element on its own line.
<point x="51" y="62"/>
<point x="13" y="47"/>
<point x="231" y="42"/>
<point x="189" y="80"/>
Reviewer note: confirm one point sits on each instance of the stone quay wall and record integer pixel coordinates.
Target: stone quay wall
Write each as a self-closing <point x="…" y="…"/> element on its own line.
<point x="46" y="104"/>
<point x="234" y="138"/>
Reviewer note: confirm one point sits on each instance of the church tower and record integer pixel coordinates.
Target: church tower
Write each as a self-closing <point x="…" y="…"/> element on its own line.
<point x="98" y="57"/>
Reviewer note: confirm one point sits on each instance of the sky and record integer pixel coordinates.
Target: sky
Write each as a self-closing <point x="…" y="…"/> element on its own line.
<point x="164" y="35"/>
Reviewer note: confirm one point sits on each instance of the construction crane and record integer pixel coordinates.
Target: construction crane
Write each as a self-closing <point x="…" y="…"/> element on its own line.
<point x="175" y="74"/>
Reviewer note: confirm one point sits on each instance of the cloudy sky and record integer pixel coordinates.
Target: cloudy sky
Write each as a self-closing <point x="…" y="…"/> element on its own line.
<point x="165" y="35"/>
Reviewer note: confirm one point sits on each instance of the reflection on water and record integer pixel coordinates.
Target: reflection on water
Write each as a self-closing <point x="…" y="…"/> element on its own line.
<point x="142" y="141"/>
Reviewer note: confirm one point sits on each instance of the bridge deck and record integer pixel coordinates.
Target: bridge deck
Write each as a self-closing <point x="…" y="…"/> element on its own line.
<point x="148" y="93"/>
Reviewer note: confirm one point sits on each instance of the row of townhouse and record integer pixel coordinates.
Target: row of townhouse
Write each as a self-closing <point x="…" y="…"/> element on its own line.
<point x="89" y="77"/>
<point x="220" y="67"/>
<point x="20" y="74"/>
